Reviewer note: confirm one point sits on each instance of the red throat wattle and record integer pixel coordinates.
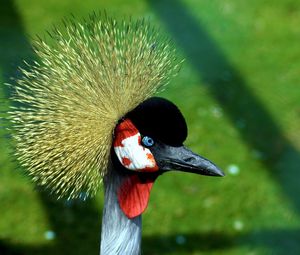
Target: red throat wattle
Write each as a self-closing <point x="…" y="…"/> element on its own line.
<point x="134" y="194"/>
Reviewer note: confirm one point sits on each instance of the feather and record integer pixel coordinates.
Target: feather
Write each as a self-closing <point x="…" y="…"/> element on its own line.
<point x="67" y="103"/>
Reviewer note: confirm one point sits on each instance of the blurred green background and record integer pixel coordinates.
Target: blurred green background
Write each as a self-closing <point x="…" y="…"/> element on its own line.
<point x="239" y="91"/>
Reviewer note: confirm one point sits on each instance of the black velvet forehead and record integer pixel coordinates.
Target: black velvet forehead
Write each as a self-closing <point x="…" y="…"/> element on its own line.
<point x="160" y="119"/>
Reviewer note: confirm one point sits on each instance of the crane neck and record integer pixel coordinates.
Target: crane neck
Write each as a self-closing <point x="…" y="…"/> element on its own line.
<point x="120" y="235"/>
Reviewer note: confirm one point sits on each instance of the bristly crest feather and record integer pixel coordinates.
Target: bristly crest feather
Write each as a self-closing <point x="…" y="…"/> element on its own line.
<point x="68" y="103"/>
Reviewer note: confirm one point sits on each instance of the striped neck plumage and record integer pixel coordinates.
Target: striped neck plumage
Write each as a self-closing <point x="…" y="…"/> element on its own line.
<point x="120" y="234"/>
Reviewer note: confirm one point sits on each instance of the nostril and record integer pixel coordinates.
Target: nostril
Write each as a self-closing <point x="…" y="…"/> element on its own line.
<point x="189" y="159"/>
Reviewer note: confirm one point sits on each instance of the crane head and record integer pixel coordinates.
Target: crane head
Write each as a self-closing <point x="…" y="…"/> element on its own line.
<point x="148" y="141"/>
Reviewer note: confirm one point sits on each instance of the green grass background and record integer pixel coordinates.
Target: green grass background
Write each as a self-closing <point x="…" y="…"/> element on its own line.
<point x="239" y="91"/>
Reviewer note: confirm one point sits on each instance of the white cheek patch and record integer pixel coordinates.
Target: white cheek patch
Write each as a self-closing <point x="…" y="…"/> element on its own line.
<point x="134" y="156"/>
<point x="130" y="152"/>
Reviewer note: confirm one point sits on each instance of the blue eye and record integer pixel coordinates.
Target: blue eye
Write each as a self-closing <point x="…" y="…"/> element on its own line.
<point x="148" y="141"/>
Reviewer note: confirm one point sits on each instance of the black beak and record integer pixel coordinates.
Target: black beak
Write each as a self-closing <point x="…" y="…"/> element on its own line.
<point x="182" y="159"/>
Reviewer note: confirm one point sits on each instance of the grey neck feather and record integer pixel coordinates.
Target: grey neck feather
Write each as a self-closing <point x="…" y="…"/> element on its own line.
<point x="119" y="235"/>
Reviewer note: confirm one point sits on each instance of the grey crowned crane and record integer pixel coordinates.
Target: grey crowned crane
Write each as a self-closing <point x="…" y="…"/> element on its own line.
<point x="148" y="142"/>
<point x="85" y="112"/>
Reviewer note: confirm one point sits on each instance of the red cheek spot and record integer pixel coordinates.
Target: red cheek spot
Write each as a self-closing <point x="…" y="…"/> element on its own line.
<point x="118" y="141"/>
<point x="124" y="130"/>
<point x="150" y="157"/>
<point x="150" y="169"/>
<point x="152" y="160"/>
<point x="126" y="161"/>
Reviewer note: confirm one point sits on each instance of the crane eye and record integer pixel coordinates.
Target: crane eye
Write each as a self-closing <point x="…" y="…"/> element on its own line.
<point x="147" y="141"/>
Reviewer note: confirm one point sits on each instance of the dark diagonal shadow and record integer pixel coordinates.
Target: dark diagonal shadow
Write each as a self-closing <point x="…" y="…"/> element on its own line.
<point x="187" y="243"/>
<point x="219" y="241"/>
<point x="77" y="225"/>
<point x="14" y="47"/>
<point x="260" y="131"/>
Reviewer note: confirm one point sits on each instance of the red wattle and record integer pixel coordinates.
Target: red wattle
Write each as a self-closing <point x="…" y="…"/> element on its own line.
<point x="134" y="194"/>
